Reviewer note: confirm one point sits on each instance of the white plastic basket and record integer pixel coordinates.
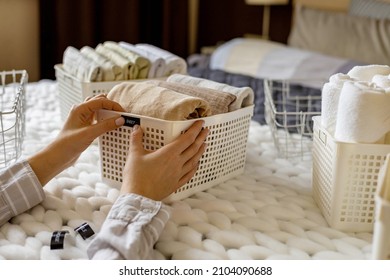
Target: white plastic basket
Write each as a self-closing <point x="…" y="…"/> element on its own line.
<point x="345" y="180"/>
<point x="73" y="91"/>
<point x="223" y="159"/>
<point x="289" y="108"/>
<point x="12" y="115"/>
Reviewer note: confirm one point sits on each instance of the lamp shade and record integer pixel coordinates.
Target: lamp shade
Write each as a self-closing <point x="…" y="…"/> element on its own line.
<point x="266" y="2"/>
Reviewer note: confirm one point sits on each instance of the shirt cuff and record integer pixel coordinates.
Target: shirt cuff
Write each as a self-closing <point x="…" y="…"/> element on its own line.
<point x="20" y="190"/>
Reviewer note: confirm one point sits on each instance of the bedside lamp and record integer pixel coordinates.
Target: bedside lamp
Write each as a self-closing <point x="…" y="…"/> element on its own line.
<point x="266" y="12"/>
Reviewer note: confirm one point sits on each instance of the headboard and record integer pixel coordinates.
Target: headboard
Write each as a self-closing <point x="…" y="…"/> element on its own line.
<point x="353" y="29"/>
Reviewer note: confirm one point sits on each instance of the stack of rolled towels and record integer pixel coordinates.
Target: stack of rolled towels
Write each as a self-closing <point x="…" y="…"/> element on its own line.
<point x="356" y="106"/>
<point x="180" y="97"/>
<point x="117" y="61"/>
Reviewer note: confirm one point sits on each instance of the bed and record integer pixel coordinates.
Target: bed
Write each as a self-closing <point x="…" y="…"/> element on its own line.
<point x="326" y="38"/>
<point x="268" y="212"/>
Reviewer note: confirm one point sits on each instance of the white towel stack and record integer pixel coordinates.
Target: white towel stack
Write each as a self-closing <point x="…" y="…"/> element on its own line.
<point x="356" y="105"/>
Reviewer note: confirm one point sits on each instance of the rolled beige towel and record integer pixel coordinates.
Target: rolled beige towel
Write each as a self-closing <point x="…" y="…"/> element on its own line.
<point x="140" y="62"/>
<point x="130" y="71"/>
<point x="219" y="101"/>
<point x="80" y="66"/>
<point x="244" y="95"/>
<point x="110" y="71"/>
<point x="146" y="99"/>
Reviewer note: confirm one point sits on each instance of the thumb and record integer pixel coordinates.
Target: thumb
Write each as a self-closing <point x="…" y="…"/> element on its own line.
<point x="136" y="139"/>
<point x="106" y="125"/>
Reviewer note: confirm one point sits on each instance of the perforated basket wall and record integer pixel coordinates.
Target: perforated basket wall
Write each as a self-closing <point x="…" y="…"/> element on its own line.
<point x="72" y="91"/>
<point x="345" y="180"/>
<point x="224" y="157"/>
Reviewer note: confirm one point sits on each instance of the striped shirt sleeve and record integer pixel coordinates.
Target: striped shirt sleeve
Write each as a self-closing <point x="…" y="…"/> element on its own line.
<point x="20" y="190"/>
<point x="131" y="229"/>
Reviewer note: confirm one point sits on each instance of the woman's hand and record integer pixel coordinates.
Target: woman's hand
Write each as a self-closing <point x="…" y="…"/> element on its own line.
<point x="77" y="134"/>
<point x="159" y="173"/>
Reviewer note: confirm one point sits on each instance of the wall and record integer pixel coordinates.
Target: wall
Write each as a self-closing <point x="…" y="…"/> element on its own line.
<point x="19" y="36"/>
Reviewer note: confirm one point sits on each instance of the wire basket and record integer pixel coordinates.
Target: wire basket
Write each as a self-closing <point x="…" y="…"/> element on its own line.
<point x="12" y="115"/>
<point x="223" y="159"/>
<point x="289" y="108"/>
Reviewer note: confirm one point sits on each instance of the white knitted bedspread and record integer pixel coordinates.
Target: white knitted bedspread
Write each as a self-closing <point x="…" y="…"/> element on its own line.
<point x="266" y="213"/>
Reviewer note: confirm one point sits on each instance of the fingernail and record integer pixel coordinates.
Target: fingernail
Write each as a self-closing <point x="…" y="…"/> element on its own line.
<point x="120" y="121"/>
<point x="135" y="127"/>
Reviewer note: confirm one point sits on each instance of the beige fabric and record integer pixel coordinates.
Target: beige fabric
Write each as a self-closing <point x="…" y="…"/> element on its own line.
<point x="219" y="101"/>
<point x="247" y="56"/>
<point x="146" y="99"/>
<point x="337" y="34"/>
<point x="129" y="71"/>
<point x="142" y="63"/>
<point x="244" y="95"/>
<point x="110" y="71"/>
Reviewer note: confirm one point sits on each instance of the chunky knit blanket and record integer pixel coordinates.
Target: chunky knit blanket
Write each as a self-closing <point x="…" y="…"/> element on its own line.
<point x="266" y="213"/>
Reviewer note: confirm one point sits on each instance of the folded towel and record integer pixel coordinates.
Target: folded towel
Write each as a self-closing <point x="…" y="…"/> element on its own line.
<point x="382" y="81"/>
<point x="367" y="72"/>
<point x="174" y="63"/>
<point x="330" y="100"/>
<point x="157" y="64"/>
<point x="80" y="66"/>
<point x="219" y="101"/>
<point x="129" y="70"/>
<point x="244" y="95"/>
<point x="149" y="100"/>
<point x="110" y="71"/>
<point x="142" y="63"/>
<point x="363" y="114"/>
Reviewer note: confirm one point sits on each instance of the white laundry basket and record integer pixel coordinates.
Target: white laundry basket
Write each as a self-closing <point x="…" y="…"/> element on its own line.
<point x="73" y="91"/>
<point x="224" y="157"/>
<point x="345" y="180"/>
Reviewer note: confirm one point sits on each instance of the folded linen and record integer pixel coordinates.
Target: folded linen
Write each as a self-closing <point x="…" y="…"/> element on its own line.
<point x="174" y="63"/>
<point x="219" y="101"/>
<point x="110" y="71"/>
<point x="157" y="64"/>
<point x="244" y="95"/>
<point x="367" y="72"/>
<point x="363" y="114"/>
<point x="129" y="70"/>
<point x="330" y="100"/>
<point x="140" y="62"/>
<point x="382" y="81"/>
<point x="142" y="98"/>
<point x="80" y="66"/>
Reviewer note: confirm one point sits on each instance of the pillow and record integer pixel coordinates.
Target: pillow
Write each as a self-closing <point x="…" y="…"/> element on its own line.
<point x="372" y="8"/>
<point x="358" y="38"/>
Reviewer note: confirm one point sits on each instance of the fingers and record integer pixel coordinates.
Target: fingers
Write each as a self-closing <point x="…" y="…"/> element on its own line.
<point x="101" y="95"/>
<point x="100" y="101"/>
<point x="107" y="125"/>
<point x="136" y="145"/>
<point x="193" y="161"/>
<point x="187" y="139"/>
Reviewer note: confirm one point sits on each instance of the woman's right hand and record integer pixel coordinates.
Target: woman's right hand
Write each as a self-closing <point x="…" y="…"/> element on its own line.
<point x="157" y="174"/>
